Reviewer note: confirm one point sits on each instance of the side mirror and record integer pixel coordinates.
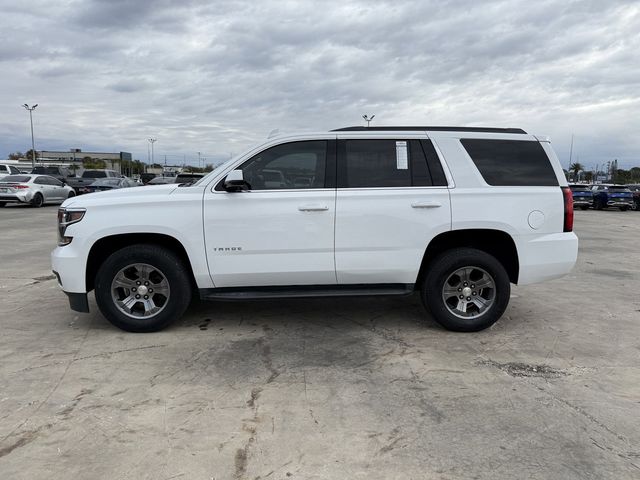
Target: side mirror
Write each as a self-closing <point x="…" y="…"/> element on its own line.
<point x="235" y="182"/>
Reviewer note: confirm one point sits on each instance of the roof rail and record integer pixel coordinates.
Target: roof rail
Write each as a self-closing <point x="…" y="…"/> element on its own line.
<point x="433" y="129"/>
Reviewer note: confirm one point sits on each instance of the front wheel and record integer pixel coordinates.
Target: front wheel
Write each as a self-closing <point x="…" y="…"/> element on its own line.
<point x="466" y="290"/>
<point x="143" y="288"/>
<point x="2" y="204"/>
<point x="584" y="207"/>
<point x="71" y="194"/>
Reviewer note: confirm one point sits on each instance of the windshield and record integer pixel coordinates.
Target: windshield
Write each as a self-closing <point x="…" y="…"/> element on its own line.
<point x="94" y="174"/>
<point x="15" y="179"/>
<point x="579" y="188"/>
<point x="107" y="181"/>
<point x="619" y="188"/>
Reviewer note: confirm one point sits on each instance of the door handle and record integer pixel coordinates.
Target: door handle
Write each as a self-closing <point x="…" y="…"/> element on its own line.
<point x="312" y="208"/>
<point x="426" y="204"/>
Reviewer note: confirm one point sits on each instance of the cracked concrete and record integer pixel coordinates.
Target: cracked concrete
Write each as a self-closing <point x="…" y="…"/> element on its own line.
<point x="324" y="389"/>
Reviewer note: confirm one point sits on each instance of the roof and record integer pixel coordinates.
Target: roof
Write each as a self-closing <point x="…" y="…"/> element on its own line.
<point x="430" y="128"/>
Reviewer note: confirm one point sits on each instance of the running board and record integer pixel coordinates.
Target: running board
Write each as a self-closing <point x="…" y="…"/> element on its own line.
<point x="305" y="291"/>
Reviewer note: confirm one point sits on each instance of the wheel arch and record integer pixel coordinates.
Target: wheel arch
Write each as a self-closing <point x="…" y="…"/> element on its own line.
<point x="105" y="246"/>
<point x="494" y="242"/>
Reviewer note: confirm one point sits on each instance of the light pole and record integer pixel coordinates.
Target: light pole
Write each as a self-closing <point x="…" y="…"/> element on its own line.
<point x="152" y="141"/>
<point x="198" y="159"/>
<point x="33" y="143"/>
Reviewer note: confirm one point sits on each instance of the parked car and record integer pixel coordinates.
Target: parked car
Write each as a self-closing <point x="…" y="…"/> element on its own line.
<point x="618" y="196"/>
<point x="390" y="211"/>
<point x="61" y="173"/>
<point x="186" y="178"/>
<point x="34" y="189"/>
<point x="635" y="190"/>
<point x="146" y="177"/>
<point x="103" y="184"/>
<point x="8" y="170"/>
<point x="161" y="180"/>
<point x="90" y="176"/>
<point x="582" y="196"/>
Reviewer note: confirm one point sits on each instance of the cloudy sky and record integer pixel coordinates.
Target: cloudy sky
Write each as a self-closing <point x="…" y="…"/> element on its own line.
<point x="218" y="76"/>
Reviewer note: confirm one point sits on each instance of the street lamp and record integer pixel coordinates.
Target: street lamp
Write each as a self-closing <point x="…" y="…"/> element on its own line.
<point x="152" y="141"/>
<point x="33" y="143"/>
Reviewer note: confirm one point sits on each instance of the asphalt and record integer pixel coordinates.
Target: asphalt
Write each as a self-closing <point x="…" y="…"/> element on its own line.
<point x="324" y="389"/>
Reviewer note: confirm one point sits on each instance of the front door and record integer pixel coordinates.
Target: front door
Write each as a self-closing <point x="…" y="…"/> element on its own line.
<point x="280" y="232"/>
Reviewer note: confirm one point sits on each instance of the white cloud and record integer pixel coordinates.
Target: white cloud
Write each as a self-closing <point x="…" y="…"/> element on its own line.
<point x="216" y="77"/>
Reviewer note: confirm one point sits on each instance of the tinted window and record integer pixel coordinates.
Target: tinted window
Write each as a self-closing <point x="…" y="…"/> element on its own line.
<point x="14" y="170"/>
<point x="296" y="165"/>
<point x="41" y="181"/>
<point x="578" y="188"/>
<point x="511" y="162"/>
<point x="386" y="163"/>
<point x="15" y="179"/>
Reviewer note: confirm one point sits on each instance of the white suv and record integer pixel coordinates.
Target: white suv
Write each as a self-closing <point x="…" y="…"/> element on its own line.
<point x="456" y="214"/>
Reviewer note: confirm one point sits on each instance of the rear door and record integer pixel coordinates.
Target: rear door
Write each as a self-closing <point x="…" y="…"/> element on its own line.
<point x="392" y="199"/>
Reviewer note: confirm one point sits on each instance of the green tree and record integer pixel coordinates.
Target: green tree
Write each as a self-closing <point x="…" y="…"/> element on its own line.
<point x="29" y="154"/>
<point x="16" y="156"/>
<point x="576" y="168"/>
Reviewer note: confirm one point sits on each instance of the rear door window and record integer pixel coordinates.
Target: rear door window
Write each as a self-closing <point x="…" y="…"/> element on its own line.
<point x="386" y="163"/>
<point x="511" y="162"/>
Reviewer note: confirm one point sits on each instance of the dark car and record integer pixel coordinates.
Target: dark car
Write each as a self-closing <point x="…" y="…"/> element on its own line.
<point x="582" y="196"/>
<point x="187" y="178"/>
<point x="61" y="173"/>
<point x="147" y="177"/>
<point x="635" y="190"/>
<point x="103" y="184"/>
<point x="617" y="196"/>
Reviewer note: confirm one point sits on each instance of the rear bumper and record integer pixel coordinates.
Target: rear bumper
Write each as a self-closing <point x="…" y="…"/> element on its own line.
<point x="14" y="198"/>
<point x="545" y="257"/>
<point x="620" y="203"/>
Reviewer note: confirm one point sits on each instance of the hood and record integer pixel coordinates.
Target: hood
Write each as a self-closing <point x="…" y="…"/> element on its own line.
<point x="120" y="195"/>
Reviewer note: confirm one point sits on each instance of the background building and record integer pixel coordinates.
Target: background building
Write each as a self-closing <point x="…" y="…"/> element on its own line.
<point x="77" y="159"/>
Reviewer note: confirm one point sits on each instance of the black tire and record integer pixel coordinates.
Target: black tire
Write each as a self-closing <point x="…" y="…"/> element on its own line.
<point x="624" y="209"/>
<point x="597" y="205"/>
<point x="37" y="201"/>
<point x="167" y="263"/>
<point x="443" y="268"/>
<point x="71" y="194"/>
<point x="584" y="207"/>
<point x="2" y="204"/>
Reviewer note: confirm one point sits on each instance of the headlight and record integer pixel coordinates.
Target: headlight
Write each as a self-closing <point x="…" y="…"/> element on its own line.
<point x="66" y="217"/>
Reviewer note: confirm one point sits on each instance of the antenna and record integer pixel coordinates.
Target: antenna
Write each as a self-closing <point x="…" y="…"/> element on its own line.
<point x="368" y="119"/>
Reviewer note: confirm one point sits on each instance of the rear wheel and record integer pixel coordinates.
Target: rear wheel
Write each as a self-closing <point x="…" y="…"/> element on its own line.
<point x="624" y="209"/>
<point x="142" y="288"/>
<point x="37" y="201"/>
<point x="2" y="204"/>
<point x="466" y="290"/>
<point x="584" y="207"/>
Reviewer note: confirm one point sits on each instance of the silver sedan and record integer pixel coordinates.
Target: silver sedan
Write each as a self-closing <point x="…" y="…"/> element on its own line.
<point x="33" y="189"/>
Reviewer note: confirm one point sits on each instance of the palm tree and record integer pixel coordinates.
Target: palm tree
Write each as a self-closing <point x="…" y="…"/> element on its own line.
<point x="576" y="168"/>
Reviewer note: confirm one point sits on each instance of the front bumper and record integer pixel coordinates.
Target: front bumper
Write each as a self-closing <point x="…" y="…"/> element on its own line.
<point x="620" y="203"/>
<point x="78" y="302"/>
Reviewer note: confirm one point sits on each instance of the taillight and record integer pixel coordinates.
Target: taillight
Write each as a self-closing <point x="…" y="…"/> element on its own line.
<point x="568" y="209"/>
<point x="18" y="187"/>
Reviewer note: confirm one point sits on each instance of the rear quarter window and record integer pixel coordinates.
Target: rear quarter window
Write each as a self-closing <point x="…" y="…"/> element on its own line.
<point x="511" y="162"/>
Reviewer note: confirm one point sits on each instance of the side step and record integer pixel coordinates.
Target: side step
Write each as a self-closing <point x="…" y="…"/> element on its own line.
<point x="305" y="291"/>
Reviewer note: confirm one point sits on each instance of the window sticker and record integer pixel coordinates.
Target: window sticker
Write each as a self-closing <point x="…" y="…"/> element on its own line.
<point x="402" y="161"/>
